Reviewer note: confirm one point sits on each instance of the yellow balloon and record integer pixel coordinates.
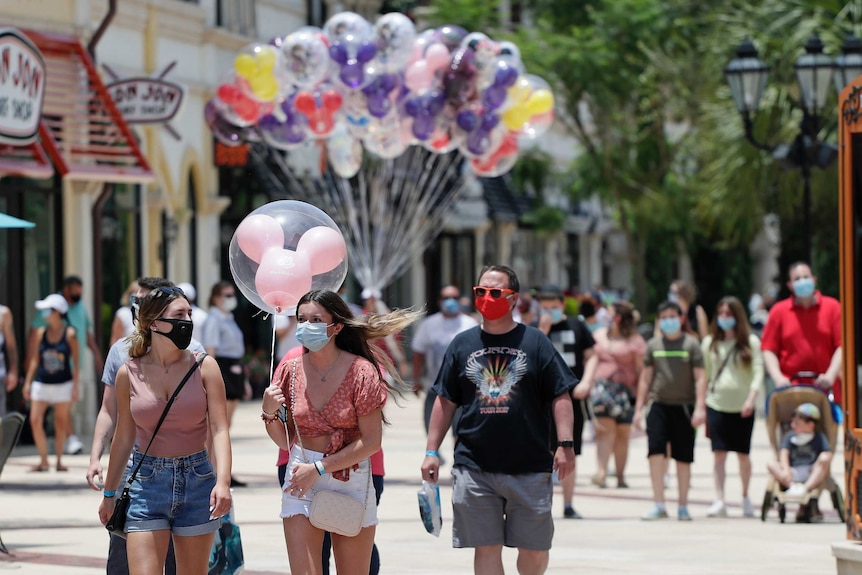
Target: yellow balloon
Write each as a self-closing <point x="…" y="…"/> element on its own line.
<point x="264" y="87"/>
<point x="245" y="66"/>
<point x="516" y="117"/>
<point x="540" y="102"/>
<point x="520" y="91"/>
<point x="265" y="60"/>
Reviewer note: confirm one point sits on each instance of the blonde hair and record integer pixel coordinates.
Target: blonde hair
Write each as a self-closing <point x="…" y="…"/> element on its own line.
<point x="152" y="306"/>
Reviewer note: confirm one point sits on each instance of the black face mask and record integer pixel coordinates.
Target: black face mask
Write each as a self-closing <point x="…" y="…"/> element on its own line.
<point x="75" y="298"/>
<point x="181" y="333"/>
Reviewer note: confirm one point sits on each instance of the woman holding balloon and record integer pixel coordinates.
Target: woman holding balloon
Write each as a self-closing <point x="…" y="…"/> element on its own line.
<point x="334" y="393"/>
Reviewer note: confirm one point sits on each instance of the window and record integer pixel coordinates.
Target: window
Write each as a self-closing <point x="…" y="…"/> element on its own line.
<point x="237" y="16"/>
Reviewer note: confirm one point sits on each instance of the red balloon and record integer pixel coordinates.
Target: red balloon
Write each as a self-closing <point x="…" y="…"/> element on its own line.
<point x="305" y="103"/>
<point x="332" y="100"/>
<point x="228" y="93"/>
<point x="246" y="108"/>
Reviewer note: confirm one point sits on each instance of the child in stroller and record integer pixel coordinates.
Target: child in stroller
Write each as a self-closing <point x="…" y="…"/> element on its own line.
<point x="803" y="461"/>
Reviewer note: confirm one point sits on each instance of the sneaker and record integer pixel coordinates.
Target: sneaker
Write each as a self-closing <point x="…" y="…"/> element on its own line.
<point x="683" y="514"/>
<point x="73" y="446"/>
<point x="570" y="513"/>
<point x="655" y="513"/>
<point x="747" y="507"/>
<point x="718" y="509"/>
<point x="796" y="491"/>
<point x="234" y="482"/>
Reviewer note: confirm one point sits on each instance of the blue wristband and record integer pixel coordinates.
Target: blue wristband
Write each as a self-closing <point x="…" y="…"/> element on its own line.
<point x="109" y="493"/>
<point x="432" y="453"/>
<point x="320" y="469"/>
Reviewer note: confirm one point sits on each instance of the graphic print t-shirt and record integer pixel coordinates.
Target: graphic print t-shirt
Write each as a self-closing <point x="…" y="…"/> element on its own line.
<point x="571" y="338"/>
<point x="506" y="385"/>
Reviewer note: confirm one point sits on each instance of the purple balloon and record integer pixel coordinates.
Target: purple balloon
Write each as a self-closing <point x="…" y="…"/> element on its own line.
<point x="222" y="130"/>
<point x="450" y="35"/>
<point x="338" y="52"/>
<point x="494" y="97"/>
<point x="378" y="104"/>
<point x="505" y="76"/>
<point x="477" y="142"/>
<point x="413" y="107"/>
<point x="423" y="126"/>
<point x="352" y="74"/>
<point x="367" y="51"/>
<point x="489" y="122"/>
<point x="466" y="120"/>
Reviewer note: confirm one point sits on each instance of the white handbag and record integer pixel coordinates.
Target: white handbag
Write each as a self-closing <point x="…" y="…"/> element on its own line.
<point x="330" y="510"/>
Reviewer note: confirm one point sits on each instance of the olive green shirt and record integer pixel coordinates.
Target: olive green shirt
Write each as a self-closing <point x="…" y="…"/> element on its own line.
<point x="673" y="362"/>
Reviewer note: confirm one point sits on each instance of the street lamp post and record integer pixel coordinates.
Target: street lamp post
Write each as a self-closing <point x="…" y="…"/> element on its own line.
<point x="815" y="71"/>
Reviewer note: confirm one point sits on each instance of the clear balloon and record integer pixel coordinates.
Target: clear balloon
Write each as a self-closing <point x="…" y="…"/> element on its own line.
<point x="284" y="128"/>
<point x="284" y="273"/>
<point x="223" y="130"/>
<point x="319" y="106"/>
<point x="305" y="57"/>
<point x="351" y="47"/>
<point x="498" y="162"/>
<point x="532" y="110"/>
<point x="395" y="35"/>
<point x="344" y="152"/>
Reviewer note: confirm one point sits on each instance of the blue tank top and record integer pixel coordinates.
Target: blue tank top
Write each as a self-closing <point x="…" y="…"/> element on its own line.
<point x="54" y="360"/>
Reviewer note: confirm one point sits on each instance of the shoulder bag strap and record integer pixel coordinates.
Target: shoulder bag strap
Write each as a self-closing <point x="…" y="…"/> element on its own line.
<point x="191" y="370"/>
<point x="720" y="369"/>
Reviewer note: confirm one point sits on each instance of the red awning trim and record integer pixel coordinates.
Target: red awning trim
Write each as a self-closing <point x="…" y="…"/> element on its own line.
<point x="82" y="130"/>
<point x="28" y="161"/>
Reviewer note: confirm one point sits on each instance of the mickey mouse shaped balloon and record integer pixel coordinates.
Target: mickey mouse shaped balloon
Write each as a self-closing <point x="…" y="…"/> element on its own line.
<point x="351" y="47"/>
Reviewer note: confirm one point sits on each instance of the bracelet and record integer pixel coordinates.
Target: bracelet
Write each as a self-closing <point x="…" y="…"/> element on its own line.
<point x="432" y="453"/>
<point x="263" y="412"/>
<point x="319" y="466"/>
<point x="109" y="493"/>
<point x="267" y="418"/>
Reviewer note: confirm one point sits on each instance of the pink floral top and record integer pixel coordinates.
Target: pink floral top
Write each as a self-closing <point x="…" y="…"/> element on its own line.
<point x="361" y="392"/>
<point x="618" y="359"/>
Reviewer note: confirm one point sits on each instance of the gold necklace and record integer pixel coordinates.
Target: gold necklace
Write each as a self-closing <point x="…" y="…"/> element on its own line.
<point x="323" y="376"/>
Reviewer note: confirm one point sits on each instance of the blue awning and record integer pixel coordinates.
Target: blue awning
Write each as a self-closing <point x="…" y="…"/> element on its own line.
<point x="7" y="221"/>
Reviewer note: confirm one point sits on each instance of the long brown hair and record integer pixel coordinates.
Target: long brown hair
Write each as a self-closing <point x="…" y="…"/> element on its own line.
<point x="357" y="332"/>
<point x="628" y="318"/>
<point x="742" y="330"/>
<point x="152" y="306"/>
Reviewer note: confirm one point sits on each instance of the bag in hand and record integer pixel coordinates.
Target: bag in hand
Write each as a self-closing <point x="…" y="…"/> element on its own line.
<point x="337" y="513"/>
<point x="116" y="525"/>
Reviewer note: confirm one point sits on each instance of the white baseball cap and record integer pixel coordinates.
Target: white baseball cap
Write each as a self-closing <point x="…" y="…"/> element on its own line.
<point x="369" y="293"/>
<point x="53" y="301"/>
<point x="189" y="290"/>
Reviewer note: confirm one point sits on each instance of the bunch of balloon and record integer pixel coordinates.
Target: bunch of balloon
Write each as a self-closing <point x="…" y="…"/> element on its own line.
<point x="389" y="87"/>
<point x="283" y="250"/>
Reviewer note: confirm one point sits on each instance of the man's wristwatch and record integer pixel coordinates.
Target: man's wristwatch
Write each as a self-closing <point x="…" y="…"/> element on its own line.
<point x="566" y="443"/>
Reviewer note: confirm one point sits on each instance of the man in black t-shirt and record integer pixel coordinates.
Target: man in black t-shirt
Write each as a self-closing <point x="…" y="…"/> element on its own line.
<point x="511" y="384"/>
<point x="573" y="341"/>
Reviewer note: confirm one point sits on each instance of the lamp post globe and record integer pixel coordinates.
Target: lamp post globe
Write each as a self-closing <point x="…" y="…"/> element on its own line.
<point x="848" y="64"/>
<point x="814" y="74"/>
<point x="746" y="75"/>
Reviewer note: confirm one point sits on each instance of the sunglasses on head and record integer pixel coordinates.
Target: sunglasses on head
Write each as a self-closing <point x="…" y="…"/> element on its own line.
<point x="495" y="293"/>
<point x="168" y="291"/>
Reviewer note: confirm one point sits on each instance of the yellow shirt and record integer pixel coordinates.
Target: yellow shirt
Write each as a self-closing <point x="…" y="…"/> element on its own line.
<point x="729" y="392"/>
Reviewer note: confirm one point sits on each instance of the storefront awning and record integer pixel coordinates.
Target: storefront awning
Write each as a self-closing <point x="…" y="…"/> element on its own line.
<point x="29" y="161"/>
<point x="82" y="130"/>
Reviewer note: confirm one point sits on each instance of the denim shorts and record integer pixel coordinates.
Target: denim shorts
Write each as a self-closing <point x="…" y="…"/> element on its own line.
<point x="172" y="493"/>
<point x="357" y="487"/>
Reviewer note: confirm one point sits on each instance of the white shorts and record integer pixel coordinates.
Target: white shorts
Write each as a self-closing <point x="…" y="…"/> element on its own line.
<point x="51" y="392"/>
<point x="357" y="486"/>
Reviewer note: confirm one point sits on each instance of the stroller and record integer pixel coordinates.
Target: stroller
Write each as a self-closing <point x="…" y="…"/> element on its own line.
<point x="779" y="412"/>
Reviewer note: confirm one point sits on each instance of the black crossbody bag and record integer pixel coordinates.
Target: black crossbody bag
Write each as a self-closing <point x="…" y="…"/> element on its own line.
<point x="117" y="523"/>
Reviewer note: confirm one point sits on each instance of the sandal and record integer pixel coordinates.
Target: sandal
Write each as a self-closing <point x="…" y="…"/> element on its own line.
<point x="61" y="468"/>
<point x="599" y="481"/>
<point x="41" y="468"/>
<point x="621" y="483"/>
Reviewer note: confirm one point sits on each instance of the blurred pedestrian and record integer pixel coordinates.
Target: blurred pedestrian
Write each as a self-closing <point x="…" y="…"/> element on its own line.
<point x="573" y="341"/>
<point x="391" y="343"/>
<point x="734" y="372"/>
<point x="52" y="378"/>
<point x="430" y="341"/>
<point x="619" y="352"/>
<point x="516" y="430"/>
<point x="123" y="325"/>
<point x="178" y="494"/>
<point x="223" y="339"/>
<point x="674" y="380"/>
<point x="694" y="319"/>
<point x="9" y="360"/>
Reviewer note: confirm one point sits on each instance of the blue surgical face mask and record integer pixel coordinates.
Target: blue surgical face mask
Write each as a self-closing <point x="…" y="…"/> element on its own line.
<point x="726" y="323"/>
<point x="669" y="325"/>
<point x="312" y="335"/>
<point x="556" y="315"/>
<point x="803" y="287"/>
<point x="450" y="306"/>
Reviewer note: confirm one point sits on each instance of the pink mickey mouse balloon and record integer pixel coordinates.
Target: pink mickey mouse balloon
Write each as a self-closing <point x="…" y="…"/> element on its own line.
<point x="269" y="266"/>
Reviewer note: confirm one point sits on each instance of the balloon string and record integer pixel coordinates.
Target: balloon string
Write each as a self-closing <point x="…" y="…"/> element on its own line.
<point x="272" y="351"/>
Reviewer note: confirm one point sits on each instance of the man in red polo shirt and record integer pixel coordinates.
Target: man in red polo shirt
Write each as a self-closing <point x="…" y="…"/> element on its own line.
<point x="803" y="333"/>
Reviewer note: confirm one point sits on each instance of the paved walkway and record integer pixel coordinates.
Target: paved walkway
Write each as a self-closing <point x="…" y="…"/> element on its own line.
<point x="49" y="520"/>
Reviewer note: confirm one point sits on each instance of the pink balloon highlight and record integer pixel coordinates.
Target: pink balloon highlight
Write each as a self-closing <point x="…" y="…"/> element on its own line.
<point x="283" y="277"/>
<point x="324" y="247"/>
<point x="419" y="76"/>
<point x="258" y="233"/>
<point x="437" y="56"/>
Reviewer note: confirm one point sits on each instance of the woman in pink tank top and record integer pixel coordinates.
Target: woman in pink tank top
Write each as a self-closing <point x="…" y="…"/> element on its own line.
<point x="177" y="493"/>
<point x="335" y="393"/>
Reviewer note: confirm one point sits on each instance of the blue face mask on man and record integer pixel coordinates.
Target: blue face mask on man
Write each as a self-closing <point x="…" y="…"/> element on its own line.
<point x="556" y="315"/>
<point x="669" y="325"/>
<point x="313" y="336"/>
<point x="449" y="306"/>
<point x="803" y="287"/>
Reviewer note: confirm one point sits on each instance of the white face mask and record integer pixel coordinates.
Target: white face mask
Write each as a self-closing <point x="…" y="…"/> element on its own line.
<point x="229" y="303"/>
<point x="802" y="438"/>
